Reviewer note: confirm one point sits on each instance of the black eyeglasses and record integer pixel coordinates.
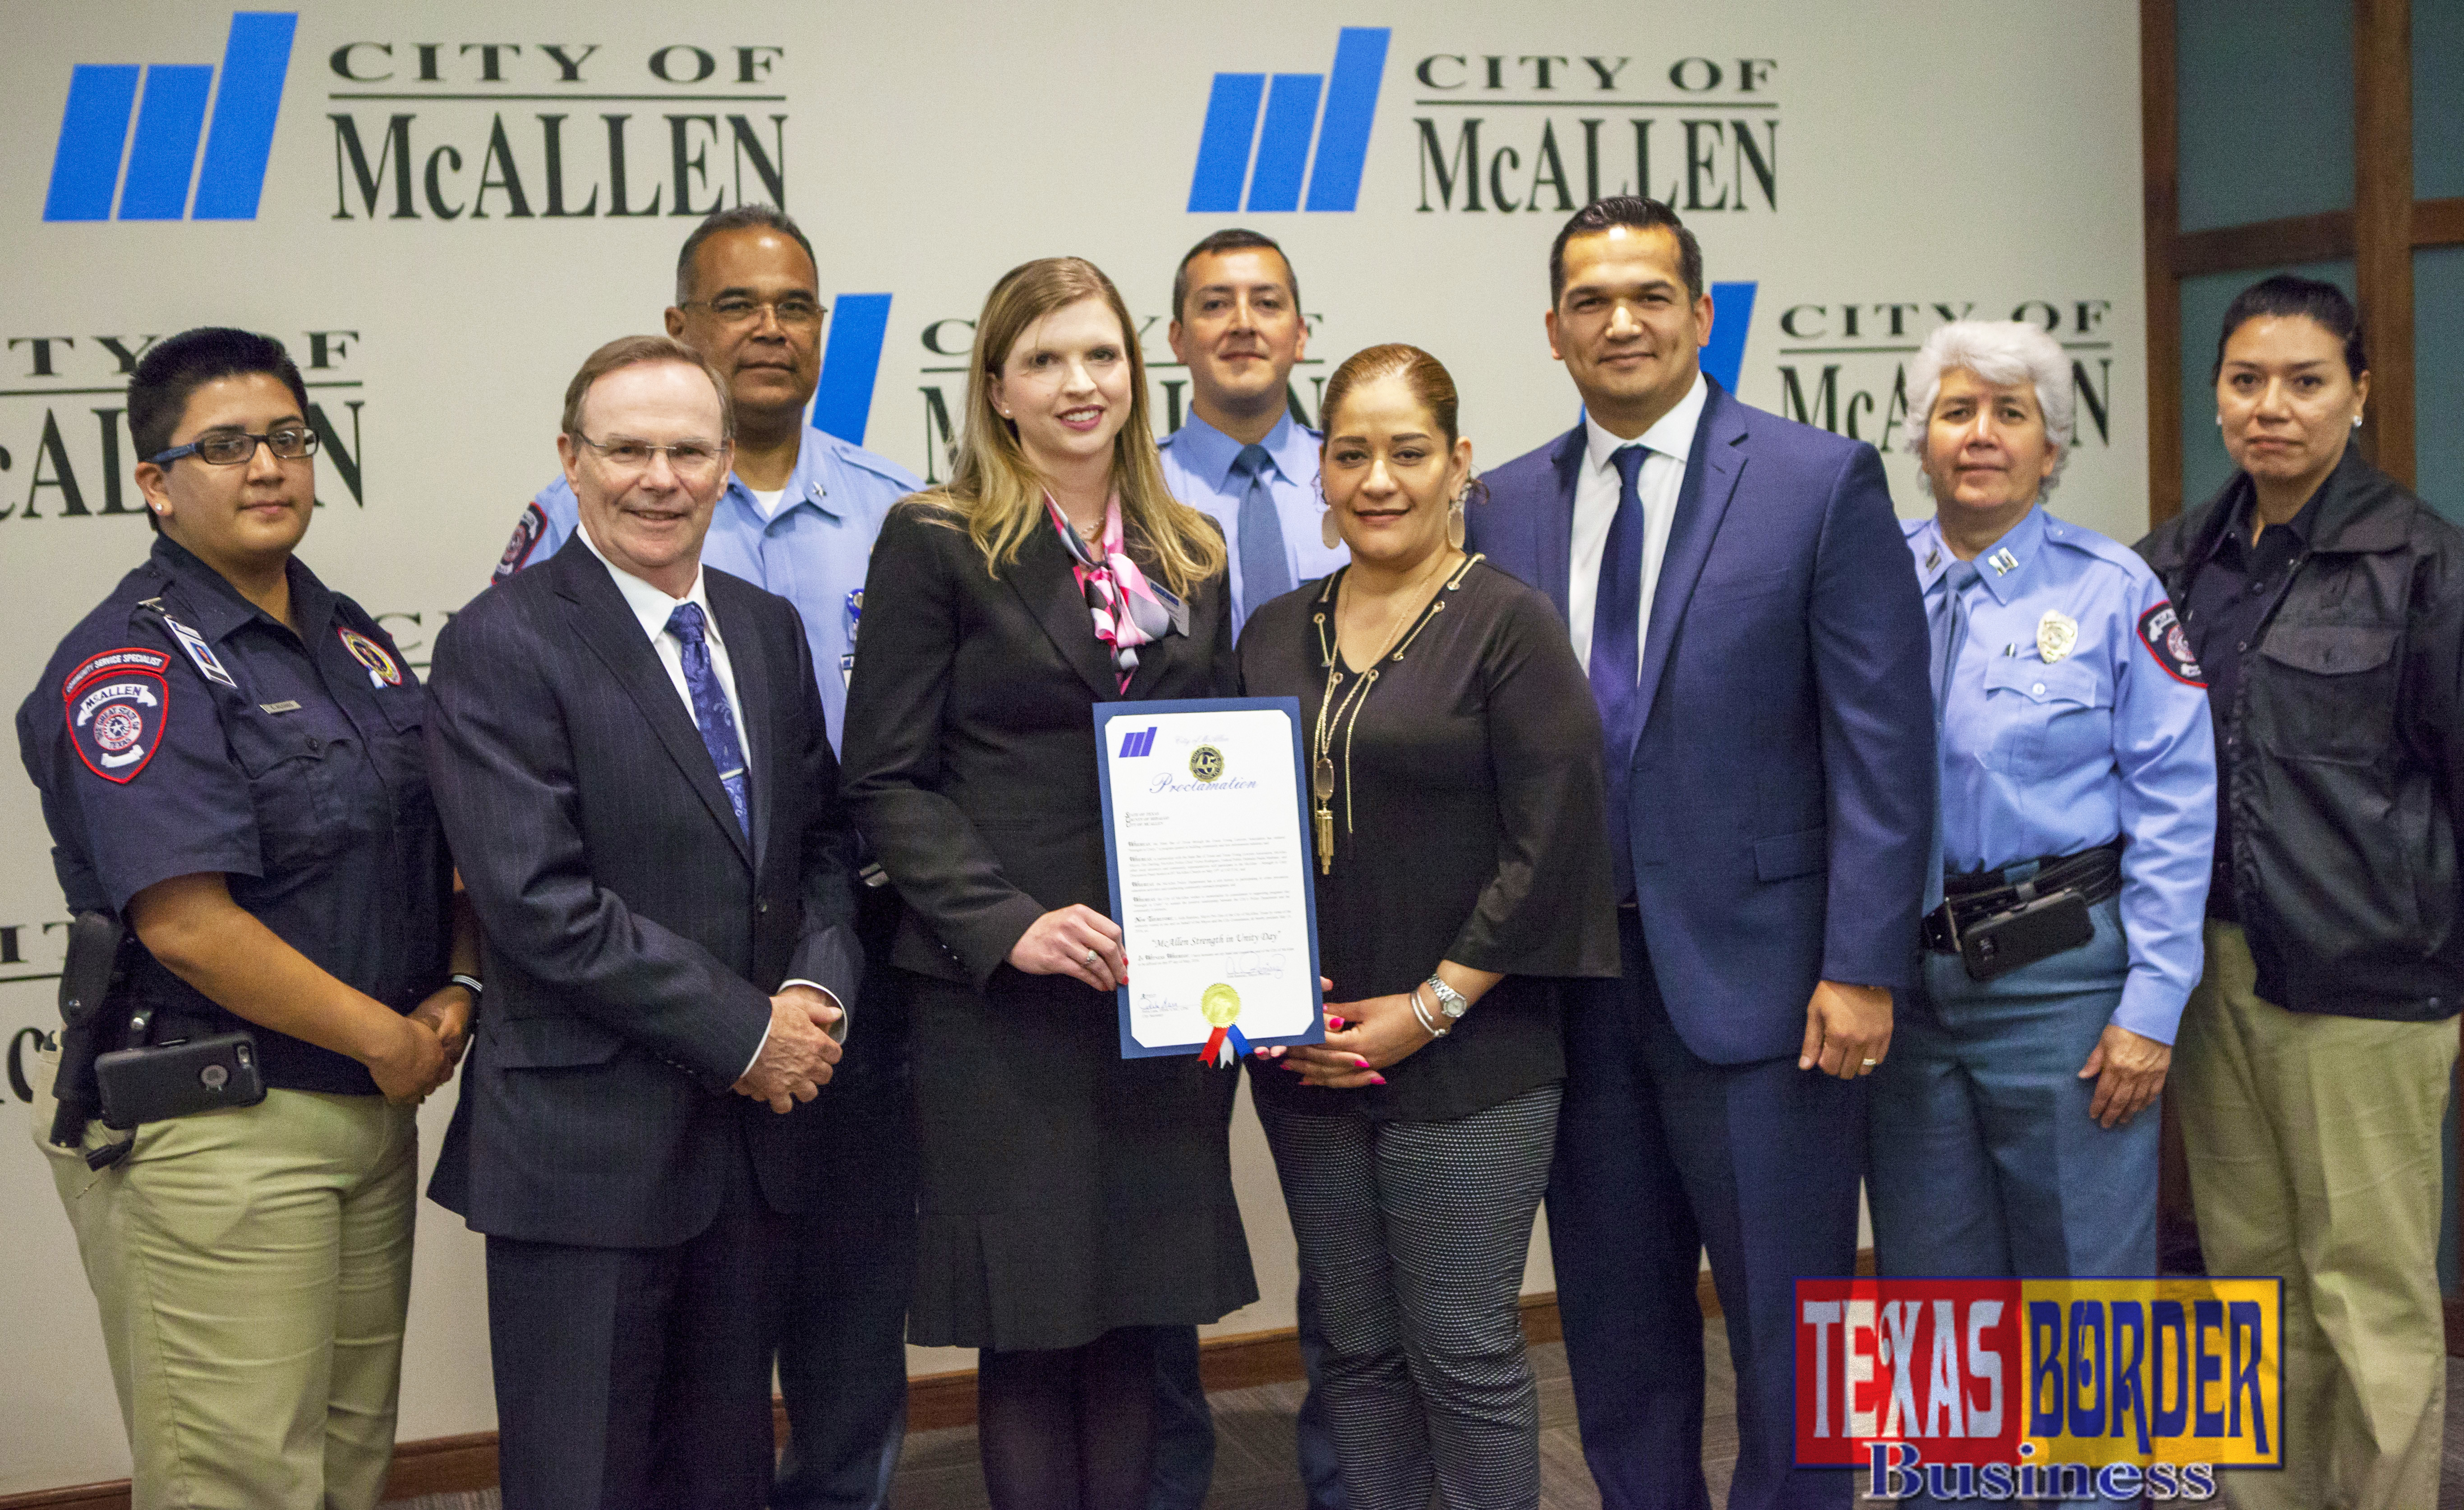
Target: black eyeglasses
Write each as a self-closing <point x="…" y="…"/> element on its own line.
<point x="230" y="450"/>
<point x="794" y="310"/>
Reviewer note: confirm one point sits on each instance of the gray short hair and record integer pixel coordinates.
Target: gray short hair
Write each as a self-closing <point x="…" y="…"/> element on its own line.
<point x="638" y="351"/>
<point x="754" y="216"/>
<point x="2002" y="352"/>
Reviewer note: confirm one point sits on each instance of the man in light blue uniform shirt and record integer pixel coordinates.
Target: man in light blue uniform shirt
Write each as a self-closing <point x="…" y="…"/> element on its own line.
<point x="799" y="518"/>
<point x="1242" y="458"/>
<point x="2014" y="1129"/>
<point x="1250" y="466"/>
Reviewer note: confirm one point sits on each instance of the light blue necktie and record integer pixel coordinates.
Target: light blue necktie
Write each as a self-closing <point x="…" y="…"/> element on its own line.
<point x="1949" y="628"/>
<point x="1266" y="573"/>
<point x="711" y="712"/>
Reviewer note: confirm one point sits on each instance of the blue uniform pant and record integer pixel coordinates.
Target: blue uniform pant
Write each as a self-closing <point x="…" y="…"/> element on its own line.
<point x="1662" y="1154"/>
<point x="1984" y="1161"/>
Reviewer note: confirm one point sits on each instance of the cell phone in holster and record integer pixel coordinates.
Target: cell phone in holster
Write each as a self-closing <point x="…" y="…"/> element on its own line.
<point x="154" y="1082"/>
<point x="2033" y="931"/>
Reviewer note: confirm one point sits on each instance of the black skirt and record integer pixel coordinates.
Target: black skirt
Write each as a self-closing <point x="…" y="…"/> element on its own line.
<point x="1065" y="1191"/>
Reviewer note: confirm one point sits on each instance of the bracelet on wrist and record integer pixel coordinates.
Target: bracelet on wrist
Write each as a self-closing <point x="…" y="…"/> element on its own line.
<point x="1428" y="1025"/>
<point x="468" y="983"/>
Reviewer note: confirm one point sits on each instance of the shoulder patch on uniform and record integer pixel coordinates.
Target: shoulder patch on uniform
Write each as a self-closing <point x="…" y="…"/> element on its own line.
<point x="208" y="665"/>
<point x="383" y="669"/>
<point x="116" y="713"/>
<point x="127" y="657"/>
<point x="2159" y="630"/>
<point x="530" y="529"/>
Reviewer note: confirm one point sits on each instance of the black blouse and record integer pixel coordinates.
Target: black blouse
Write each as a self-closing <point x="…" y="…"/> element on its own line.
<point x="1467" y="826"/>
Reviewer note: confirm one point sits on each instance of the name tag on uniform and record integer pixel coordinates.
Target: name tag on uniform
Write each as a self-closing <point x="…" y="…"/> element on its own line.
<point x="286" y="706"/>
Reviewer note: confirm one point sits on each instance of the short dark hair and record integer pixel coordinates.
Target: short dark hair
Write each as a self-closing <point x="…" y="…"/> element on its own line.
<point x="1639" y="213"/>
<point x="1234" y="239"/>
<point x="174" y="368"/>
<point x="2284" y="296"/>
<point x="743" y="217"/>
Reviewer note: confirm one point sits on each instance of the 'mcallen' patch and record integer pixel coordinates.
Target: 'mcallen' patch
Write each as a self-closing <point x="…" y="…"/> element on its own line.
<point x="2159" y="630"/>
<point x="117" y="705"/>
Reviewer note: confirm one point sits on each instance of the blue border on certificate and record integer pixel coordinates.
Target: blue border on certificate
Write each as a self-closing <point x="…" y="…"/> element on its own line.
<point x="1290" y="708"/>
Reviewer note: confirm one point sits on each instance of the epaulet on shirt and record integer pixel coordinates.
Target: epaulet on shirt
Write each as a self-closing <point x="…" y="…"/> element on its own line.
<point x="2103" y="547"/>
<point x="881" y="466"/>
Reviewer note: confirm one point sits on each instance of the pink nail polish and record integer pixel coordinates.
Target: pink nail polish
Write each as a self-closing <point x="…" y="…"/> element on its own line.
<point x="1378" y="1080"/>
<point x="1358" y="1060"/>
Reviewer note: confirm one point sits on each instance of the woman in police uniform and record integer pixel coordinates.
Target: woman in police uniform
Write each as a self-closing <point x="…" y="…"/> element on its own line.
<point x="230" y="760"/>
<point x="2014" y="1129"/>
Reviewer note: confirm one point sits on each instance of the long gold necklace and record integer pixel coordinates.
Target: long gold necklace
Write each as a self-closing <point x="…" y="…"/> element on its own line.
<point x="1405" y="627"/>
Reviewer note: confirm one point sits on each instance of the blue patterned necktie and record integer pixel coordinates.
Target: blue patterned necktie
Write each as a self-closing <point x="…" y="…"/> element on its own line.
<point x="1616" y="652"/>
<point x="711" y="712"/>
<point x="1266" y="574"/>
<point x="1948" y="624"/>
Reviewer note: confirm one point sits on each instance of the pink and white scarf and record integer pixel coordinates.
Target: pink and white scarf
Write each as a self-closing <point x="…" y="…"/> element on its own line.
<point x="1128" y="611"/>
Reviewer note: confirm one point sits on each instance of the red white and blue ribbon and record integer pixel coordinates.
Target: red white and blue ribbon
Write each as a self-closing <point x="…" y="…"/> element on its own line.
<point x="1224" y="1047"/>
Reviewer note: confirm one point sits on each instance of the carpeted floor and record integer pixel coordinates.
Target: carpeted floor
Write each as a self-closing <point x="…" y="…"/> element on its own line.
<point x="1254" y="1467"/>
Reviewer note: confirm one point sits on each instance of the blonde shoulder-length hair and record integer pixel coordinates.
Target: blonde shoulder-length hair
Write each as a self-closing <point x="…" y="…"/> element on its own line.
<point x="995" y="494"/>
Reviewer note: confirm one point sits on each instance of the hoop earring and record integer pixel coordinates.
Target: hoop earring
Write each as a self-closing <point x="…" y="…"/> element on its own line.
<point x="1328" y="533"/>
<point x="1454" y="524"/>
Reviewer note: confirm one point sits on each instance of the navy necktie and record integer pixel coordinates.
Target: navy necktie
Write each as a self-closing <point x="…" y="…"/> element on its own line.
<point x="711" y="712"/>
<point x="1266" y="573"/>
<point x="1617" y="659"/>
<point x="1948" y="626"/>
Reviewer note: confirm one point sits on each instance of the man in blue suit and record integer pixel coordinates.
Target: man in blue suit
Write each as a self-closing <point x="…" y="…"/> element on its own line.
<point x="1738" y="590"/>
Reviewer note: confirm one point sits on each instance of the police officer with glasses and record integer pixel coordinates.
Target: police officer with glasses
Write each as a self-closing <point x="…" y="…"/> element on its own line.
<point x="229" y="755"/>
<point x="2014" y="1129"/>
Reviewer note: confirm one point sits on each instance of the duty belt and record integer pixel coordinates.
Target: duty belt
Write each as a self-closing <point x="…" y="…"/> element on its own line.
<point x="1979" y="905"/>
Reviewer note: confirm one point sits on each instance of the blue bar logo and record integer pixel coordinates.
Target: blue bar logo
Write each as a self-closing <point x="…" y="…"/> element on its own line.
<point x="1138" y="742"/>
<point x="149" y="172"/>
<point x="850" y="362"/>
<point x="1274" y="152"/>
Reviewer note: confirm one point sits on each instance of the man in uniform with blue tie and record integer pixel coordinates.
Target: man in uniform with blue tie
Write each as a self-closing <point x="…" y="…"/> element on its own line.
<point x="1251" y="468"/>
<point x="1737" y="588"/>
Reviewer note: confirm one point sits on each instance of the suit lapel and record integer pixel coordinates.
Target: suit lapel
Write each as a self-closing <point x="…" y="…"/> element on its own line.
<point x="1042" y="580"/>
<point x="1557" y="526"/>
<point x="604" y="622"/>
<point x="749" y="655"/>
<point x="1711" y="475"/>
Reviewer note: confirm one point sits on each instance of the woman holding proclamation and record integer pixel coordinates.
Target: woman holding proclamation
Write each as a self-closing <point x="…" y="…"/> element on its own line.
<point x="1463" y="873"/>
<point x="1072" y="1201"/>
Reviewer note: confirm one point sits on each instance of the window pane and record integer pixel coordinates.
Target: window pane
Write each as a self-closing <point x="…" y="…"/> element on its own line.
<point x="2267" y="109"/>
<point x="2437" y="99"/>
<point x="2438" y="378"/>
<point x="2205" y="465"/>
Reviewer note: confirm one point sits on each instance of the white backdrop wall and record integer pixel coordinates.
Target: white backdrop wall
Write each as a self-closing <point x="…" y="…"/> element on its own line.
<point x="443" y="207"/>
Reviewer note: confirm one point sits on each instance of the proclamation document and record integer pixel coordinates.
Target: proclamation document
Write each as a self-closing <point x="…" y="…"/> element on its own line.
<point x="1204" y="835"/>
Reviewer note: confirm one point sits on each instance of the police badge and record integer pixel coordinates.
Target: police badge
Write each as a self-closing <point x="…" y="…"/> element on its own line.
<point x="2055" y="633"/>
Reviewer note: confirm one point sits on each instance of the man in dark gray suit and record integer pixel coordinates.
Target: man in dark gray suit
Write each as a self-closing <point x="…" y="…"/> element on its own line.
<point x="633" y="767"/>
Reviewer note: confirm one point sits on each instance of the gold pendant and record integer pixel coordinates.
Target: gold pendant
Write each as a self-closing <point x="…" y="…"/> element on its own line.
<point x="1324" y="840"/>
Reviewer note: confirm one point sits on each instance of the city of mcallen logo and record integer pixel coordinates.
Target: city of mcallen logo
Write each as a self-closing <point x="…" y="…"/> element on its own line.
<point x="1138" y="742"/>
<point x="2059" y="1390"/>
<point x="1272" y="160"/>
<point x="161" y="164"/>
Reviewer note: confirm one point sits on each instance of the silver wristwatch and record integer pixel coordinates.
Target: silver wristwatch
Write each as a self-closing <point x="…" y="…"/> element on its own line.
<point x="1450" y="1001"/>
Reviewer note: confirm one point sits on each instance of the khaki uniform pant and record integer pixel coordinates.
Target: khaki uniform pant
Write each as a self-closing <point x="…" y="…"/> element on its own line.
<point x="252" y="1267"/>
<point x="2314" y="1152"/>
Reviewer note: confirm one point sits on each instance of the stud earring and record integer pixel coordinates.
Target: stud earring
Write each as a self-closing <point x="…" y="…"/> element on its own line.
<point x="2357" y="422"/>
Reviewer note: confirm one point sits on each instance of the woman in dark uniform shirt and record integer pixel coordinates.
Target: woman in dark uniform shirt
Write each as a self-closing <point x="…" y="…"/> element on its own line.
<point x="1072" y="1201"/>
<point x="229" y="759"/>
<point x="1463" y="873"/>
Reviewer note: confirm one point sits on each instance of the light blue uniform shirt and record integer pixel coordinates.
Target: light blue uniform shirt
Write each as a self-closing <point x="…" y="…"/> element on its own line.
<point x="2050" y="754"/>
<point x="1198" y="464"/>
<point x="813" y="552"/>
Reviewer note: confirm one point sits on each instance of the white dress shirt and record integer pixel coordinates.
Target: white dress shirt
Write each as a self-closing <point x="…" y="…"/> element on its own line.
<point x="1670" y="441"/>
<point x="652" y="608"/>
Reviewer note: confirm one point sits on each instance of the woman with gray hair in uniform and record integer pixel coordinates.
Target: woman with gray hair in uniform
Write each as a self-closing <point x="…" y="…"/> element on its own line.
<point x="2014" y="1129"/>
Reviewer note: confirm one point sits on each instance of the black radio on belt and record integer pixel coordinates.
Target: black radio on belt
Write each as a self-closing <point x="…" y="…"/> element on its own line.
<point x="1997" y="927"/>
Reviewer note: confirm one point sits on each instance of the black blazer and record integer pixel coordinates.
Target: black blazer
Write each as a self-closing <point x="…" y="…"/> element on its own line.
<point x="971" y="743"/>
<point x="633" y="936"/>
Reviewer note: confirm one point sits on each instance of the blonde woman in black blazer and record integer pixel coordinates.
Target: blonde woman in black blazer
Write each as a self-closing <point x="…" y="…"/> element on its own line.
<point x="1072" y="1201"/>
